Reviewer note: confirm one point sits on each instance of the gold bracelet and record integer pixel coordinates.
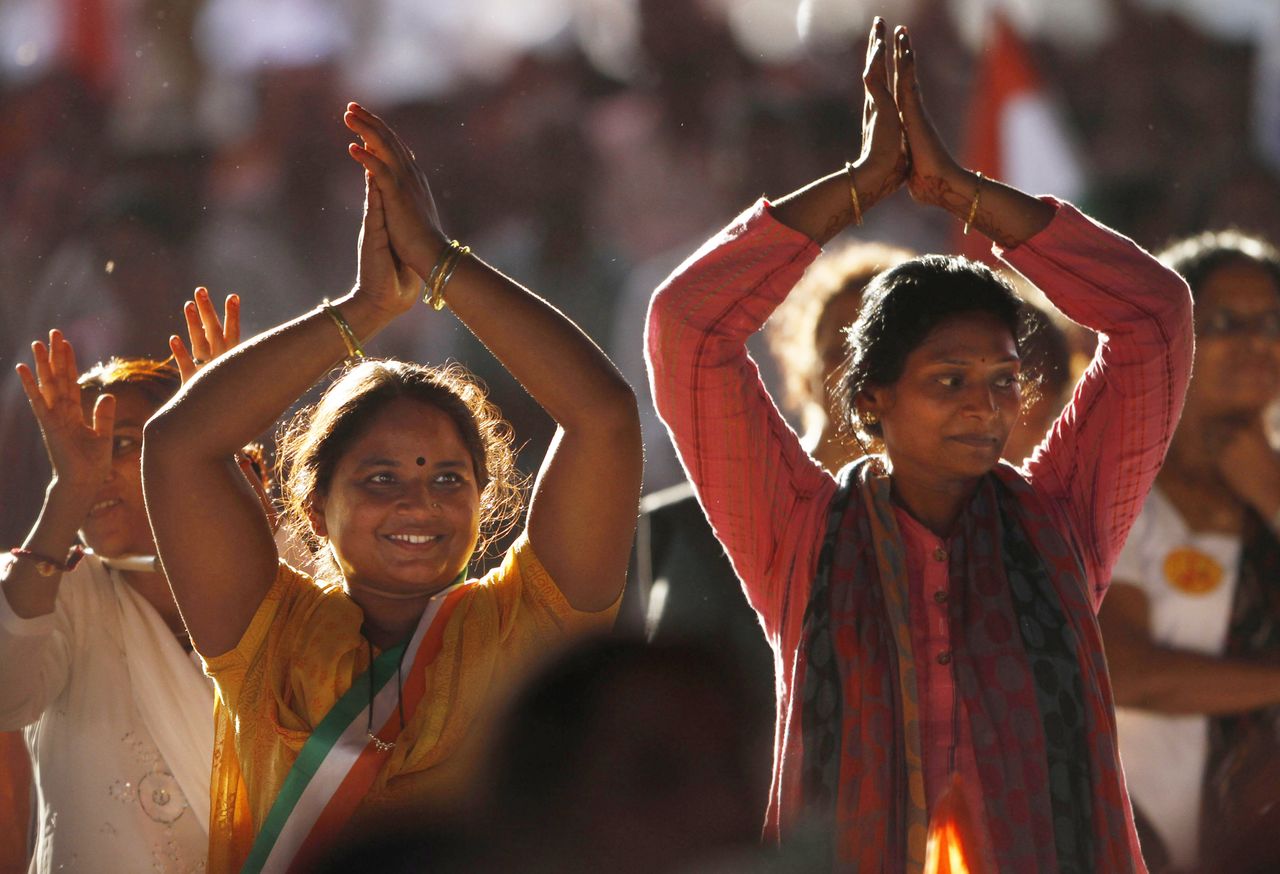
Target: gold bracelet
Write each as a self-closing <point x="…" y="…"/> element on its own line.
<point x="428" y="287"/>
<point x="349" y="340"/>
<point x="853" y="194"/>
<point x="443" y="272"/>
<point x="973" y="207"/>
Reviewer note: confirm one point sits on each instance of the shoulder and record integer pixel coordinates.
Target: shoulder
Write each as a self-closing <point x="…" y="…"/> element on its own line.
<point x="520" y="591"/>
<point x="298" y="613"/>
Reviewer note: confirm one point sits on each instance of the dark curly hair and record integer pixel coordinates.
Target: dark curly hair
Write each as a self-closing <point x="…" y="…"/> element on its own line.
<point x="313" y="441"/>
<point x="904" y="303"/>
<point x="1197" y="257"/>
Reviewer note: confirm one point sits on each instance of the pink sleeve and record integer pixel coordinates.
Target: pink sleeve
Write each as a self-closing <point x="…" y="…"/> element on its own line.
<point x="764" y="496"/>
<point x="1099" y="460"/>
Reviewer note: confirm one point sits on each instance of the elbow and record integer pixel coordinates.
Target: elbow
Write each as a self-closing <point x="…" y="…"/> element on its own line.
<point x="160" y="439"/>
<point x="615" y="410"/>
<point x="656" y="335"/>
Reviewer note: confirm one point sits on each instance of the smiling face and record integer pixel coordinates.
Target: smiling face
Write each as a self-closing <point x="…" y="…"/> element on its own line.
<point x="400" y="529"/>
<point x="1237" y="358"/>
<point x="117" y="521"/>
<point x="945" y="421"/>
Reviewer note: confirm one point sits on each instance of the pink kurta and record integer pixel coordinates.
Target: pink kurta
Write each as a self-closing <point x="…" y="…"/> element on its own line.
<point x="767" y="500"/>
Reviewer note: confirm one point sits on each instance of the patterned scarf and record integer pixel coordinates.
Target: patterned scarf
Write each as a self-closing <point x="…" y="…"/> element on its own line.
<point x="1030" y="677"/>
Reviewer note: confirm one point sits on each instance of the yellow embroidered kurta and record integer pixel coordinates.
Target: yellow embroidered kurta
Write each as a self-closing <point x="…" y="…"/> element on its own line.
<point x="301" y="653"/>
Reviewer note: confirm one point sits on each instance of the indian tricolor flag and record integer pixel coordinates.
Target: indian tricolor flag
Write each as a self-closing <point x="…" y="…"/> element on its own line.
<point x="1015" y="133"/>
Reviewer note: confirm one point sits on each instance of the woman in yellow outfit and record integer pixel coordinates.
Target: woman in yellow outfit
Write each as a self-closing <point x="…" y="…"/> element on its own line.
<point x="362" y="696"/>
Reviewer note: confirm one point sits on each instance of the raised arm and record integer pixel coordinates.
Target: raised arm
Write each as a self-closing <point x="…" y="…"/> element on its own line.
<point x="765" y="497"/>
<point x="1102" y="454"/>
<point x="80" y="445"/>
<point x="211" y="530"/>
<point x="1001" y="212"/>
<point x="583" y="511"/>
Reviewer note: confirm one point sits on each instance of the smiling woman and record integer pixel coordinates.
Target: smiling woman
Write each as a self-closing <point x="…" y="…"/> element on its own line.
<point x="94" y="660"/>
<point x="358" y="489"/>
<point x="363" y="697"/>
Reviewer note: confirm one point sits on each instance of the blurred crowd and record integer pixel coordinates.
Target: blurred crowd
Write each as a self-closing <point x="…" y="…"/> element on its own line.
<point x="584" y="147"/>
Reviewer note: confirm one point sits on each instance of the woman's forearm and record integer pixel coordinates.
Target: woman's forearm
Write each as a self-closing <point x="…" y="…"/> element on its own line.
<point x="560" y="366"/>
<point x="29" y="592"/>
<point x="1173" y="681"/>
<point x="825" y="207"/>
<point x="241" y="394"/>
<point x="1004" y="214"/>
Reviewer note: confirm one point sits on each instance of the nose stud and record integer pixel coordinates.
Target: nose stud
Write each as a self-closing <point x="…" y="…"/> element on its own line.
<point x="435" y="506"/>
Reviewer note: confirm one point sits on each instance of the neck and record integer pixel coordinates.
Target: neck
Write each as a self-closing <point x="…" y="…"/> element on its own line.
<point x="935" y="505"/>
<point x="1192" y="481"/>
<point x="388" y="623"/>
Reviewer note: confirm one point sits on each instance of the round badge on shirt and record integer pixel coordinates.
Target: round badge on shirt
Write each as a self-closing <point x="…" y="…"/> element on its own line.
<point x="1192" y="572"/>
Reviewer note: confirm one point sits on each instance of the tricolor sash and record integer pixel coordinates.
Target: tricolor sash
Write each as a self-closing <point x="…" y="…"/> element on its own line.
<point x="339" y="762"/>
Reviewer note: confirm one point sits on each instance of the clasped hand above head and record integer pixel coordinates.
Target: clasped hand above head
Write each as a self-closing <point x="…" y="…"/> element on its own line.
<point x="899" y="144"/>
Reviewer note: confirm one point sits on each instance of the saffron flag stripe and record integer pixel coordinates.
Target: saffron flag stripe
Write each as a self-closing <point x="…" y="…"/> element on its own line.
<point x="333" y="750"/>
<point x="368" y="761"/>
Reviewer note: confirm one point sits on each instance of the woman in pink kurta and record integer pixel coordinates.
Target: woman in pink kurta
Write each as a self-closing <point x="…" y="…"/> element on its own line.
<point x="931" y="610"/>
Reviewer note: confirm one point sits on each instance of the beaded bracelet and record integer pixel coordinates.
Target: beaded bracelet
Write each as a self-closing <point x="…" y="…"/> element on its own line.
<point x="47" y="566"/>
<point x="354" y="349"/>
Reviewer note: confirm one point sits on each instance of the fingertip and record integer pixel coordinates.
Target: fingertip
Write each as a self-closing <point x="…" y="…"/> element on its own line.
<point x="233" y="300"/>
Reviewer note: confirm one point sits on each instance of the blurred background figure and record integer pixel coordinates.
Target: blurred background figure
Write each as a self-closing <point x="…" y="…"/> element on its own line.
<point x="628" y="757"/>
<point x="1192" y="622"/>
<point x="1047" y="356"/>
<point x="155" y="146"/>
<point x="617" y="755"/>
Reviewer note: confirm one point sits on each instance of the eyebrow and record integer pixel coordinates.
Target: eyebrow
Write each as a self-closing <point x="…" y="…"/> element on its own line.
<point x="383" y="461"/>
<point x="947" y="357"/>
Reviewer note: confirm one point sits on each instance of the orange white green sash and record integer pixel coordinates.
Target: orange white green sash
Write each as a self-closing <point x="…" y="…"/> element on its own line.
<point x="339" y="762"/>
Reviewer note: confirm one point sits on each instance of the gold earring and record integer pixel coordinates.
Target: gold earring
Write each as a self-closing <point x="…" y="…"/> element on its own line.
<point x="868" y="417"/>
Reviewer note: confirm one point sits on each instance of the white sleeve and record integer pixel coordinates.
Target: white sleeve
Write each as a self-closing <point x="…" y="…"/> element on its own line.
<point x="35" y="658"/>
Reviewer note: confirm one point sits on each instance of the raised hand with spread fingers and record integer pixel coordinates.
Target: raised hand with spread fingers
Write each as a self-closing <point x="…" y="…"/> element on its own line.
<point x="209" y="337"/>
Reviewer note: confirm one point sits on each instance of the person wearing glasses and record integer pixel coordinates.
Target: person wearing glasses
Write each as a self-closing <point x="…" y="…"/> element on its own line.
<point x="1192" y="623"/>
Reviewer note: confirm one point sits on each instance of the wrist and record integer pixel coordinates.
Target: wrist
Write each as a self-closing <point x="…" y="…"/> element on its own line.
<point x="956" y="191"/>
<point x="71" y="496"/>
<point x="367" y="313"/>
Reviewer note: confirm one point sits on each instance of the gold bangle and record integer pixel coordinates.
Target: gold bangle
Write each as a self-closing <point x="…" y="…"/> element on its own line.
<point x="443" y="272"/>
<point x="973" y="207"/>
<point x="853" y="194"/>
<point x="349" y="340"/>
<point x="428" y="287"/>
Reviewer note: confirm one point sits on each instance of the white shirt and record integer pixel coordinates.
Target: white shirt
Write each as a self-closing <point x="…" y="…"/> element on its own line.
<point x="107" y="798"/>
<point x="1190" y="581"/>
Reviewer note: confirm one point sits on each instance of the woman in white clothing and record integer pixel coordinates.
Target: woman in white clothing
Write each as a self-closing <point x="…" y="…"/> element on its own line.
<point x="1192" y="621"/>
<point x="95" y="664"/>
